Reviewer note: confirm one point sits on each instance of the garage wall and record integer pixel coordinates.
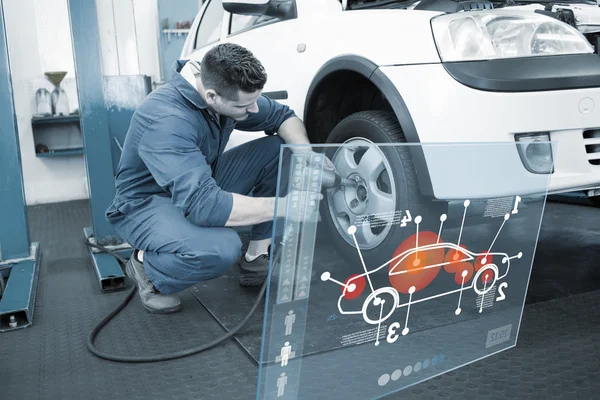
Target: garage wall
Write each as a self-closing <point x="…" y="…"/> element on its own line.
<point x="146" y="24"/>
<point x="39" y="40"/>
<point x="169" y="13"/>
<point x="129" y="37"/>
<point x="119" y="53"/>
<point x="33" y="28"/>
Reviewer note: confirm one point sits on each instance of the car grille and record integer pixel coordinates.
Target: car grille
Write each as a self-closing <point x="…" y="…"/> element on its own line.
<point x="591" y="140"/>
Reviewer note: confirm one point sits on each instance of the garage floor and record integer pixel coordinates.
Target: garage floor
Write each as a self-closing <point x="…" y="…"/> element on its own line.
<point x="557" y="355"/>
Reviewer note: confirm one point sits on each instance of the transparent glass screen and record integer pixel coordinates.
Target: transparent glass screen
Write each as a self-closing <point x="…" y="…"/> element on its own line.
<point x="408" y="262"/>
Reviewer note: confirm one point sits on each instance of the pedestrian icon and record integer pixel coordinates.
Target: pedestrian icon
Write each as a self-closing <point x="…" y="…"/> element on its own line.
<point x="281" y="382"/>
<point x="286" y="354"/>
<point x="289" y="321"/>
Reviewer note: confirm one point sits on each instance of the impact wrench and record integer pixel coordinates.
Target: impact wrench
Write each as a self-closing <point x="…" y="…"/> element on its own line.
<point x="330" y="179"/>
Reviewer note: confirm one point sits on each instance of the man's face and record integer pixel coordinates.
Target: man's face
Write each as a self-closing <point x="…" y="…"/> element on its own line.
<point x="238" y="109"/>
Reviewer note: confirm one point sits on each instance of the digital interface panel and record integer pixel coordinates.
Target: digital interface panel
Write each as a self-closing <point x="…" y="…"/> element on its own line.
<point x="376" y="285"/>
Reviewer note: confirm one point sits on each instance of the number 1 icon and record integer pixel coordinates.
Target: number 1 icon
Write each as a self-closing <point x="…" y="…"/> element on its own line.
<point x="517" y="201"/>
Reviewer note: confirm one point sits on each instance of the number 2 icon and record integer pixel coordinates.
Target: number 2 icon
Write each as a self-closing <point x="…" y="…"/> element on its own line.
<point x="502" y="296"/>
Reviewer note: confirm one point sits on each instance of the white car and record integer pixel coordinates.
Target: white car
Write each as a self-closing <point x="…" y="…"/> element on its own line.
<point x="438" y="71"/>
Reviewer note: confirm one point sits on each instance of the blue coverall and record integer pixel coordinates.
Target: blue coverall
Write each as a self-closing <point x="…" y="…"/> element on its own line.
<point x="174" y="183"/>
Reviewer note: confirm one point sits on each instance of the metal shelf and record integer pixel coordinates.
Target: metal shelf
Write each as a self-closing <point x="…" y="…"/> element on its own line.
<point x="40" y="121"/>
<point x="177" y="32"/>
<point x="62" y="152"/>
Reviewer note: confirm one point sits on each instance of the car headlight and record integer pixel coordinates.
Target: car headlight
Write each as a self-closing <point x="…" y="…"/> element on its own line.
<point x="535" y="150"/>
<point x="485" y="35"/>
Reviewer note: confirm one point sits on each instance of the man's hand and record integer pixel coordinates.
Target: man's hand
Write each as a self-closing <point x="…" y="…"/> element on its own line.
<point x="293" y="132"/>
<point x="314" y="159"/>
<point x="327" y="163"/>
<point x="299" y="205"/>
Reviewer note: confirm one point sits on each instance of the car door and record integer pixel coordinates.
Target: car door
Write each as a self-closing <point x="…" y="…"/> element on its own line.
<point x="275" y="43"/>
<point x="209" y="31"/>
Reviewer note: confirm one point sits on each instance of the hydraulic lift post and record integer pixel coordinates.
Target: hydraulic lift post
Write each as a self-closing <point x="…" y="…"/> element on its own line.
<point x="19" y="259"/>
<point x="104" y="122"/>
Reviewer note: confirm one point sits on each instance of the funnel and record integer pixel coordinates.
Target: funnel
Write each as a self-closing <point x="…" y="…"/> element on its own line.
<point x="56" y="77"/>
<point x="60" y="104"/>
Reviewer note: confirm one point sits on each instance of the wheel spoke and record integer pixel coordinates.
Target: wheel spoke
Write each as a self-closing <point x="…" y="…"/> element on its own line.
<point x="371" y="164"/>
<point x="339" y="205"/>
<point x="380" y="202"/>
<point x="344" y="162"/>
<point x="363" y="234"/>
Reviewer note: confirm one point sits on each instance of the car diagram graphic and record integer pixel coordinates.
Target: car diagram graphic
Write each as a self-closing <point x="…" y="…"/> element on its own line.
<point x="415" y="264"/>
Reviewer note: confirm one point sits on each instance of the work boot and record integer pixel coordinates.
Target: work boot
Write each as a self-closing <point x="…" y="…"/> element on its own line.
<point x="152" y="300"/>
<point x="253" y="273"/>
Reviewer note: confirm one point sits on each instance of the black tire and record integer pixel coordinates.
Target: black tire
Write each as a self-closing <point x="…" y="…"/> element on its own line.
<point x="382" y="127"/>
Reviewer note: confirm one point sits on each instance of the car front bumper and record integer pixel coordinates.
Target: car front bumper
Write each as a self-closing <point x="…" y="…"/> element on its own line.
<point x="479" y="127"/>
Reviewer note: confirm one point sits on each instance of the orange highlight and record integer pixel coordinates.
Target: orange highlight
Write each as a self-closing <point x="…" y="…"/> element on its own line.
<point x="360" y="284"/>
<point x="415" y="263"/>
<point x="479" y="261"/>
<point x="459" y="271"/>
<point x="454" y="257"/>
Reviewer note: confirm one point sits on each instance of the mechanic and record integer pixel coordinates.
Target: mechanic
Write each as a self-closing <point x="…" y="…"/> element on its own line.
<point x="178" y="194"/>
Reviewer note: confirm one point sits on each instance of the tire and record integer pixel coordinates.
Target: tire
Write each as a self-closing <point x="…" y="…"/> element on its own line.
<point x="396" y="184"/>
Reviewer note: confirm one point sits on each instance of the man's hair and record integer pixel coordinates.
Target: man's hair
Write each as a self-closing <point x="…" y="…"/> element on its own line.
<point x="228" y="67"/>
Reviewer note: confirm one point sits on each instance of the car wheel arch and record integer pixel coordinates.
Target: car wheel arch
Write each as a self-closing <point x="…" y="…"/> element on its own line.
<point x="369" y="72"/>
